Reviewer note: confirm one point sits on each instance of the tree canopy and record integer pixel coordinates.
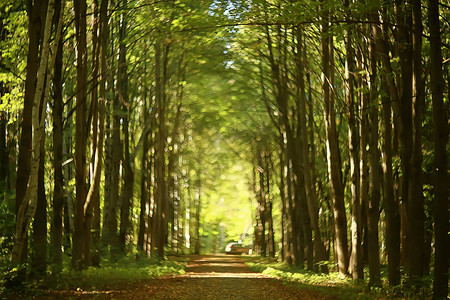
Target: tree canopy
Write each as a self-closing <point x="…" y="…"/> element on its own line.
<point x="314" y="131"/>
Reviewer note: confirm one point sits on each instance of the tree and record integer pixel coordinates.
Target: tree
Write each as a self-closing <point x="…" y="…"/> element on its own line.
<point x="82" y="208"/>
<point x="440" y="138"/>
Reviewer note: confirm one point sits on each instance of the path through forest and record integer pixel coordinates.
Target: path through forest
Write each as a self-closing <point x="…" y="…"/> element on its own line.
<point x="217" y="277"/>
<point x="206" y="277"/>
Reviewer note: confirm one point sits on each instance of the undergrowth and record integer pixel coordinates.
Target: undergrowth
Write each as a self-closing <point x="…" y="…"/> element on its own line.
<point x="109" y="275"/>
<point x="334" y="285"/>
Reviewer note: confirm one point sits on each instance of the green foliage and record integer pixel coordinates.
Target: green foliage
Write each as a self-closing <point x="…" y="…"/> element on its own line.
<point x="127" y="270"/>
<point x="342" y="288"/>
<point x="7" y="224"/>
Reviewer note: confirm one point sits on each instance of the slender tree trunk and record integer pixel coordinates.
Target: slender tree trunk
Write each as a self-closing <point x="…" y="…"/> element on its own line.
<point x="79" y="240"/>
<point x="271" y="233"/>
<point x="128" y="174"/>
<point x="404" y="110"/>
<point x="58" y="189"/>
<point x="440" y="139"/>
<point x="27" y="208"/>
<point x="373" y="210"/>
<point x="98" y="124"/>
<point x="4" y="155"/>
<point x="334" y="172"/>
<point x="285" y="218"/>
<point x="144" y="200"/>
<point x="68" y="175"/>
<point x="293" y="227"/>
<point x="198" y="207"/>
<point x="25" y="144"/>
<point x="415" y="205"/>
<point x="39" y="256"/>
<point x="356" y="263"/>
<point x="390" y="204"/>
<point x="311" y="197"/>
<point x="160" y="168"/>
<point x="112" y="158"/>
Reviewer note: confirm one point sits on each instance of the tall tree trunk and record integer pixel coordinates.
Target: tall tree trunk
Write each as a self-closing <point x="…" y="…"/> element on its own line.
<point x="128" y="175"/>
<point x="27" y="208"/>
<point x="4" y="159"/>
<point x="334" y="172"/>
<point x="284" y="195"/>
<point x="404" y="110"/>
<point x="160" y="169"/>
<point x="390" y="205"/>
<point x="440" y="139"/>
<point x="356" y="262"/>
<point x="39" y="256"/>
<point x="79" y="240"/>
<point x="293" y="227"/>
<point x="415" y="204"/>
<point x="311" y="197"/>
<point x="144" y="200"/>
<point x="373" y="203"/>
<point x="271" y="233"/>
<point x="35" y="19"/>
<point x="58" y="189"/>
<point x="112" y="163"/>
<point x="198" y="208"/>
<point x="98" y="124"/>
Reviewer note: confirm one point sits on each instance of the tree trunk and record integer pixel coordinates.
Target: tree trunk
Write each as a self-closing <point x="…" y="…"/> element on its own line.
<point x="35" y="18"/>
<point x="197" y="205"/>
<point x="356" y="263"/>
<point x="271" y="233"/>
<point x="311" y="197"/>
<point x="404" y="110"/>
<point x="415" y="203"/>
<point x="159" y="236"/>
<point x="98" y="125"/>
<point x="128" y="175"/>
<point x="390" y="205"/>
<point x="440" y="139"/>
<point x="373" y="210"/>
<point x="58" y="189"/>
<point x="4" y="159"/>
<point x="144" y="200"/>
<point x="79" y="240"/>
<point x="334" y="172"/>
<point x="27" y="208"/>
<point x="112" y="165"/>
<point x="39" y="257"/>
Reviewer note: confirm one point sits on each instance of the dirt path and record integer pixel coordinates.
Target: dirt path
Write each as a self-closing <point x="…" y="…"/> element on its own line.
<point x="207" y="277"/>
<point x="216" y="277"/>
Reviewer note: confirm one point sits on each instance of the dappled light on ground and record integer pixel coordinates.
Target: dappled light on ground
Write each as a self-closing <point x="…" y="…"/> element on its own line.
<point x="207" y="277"/>
<point x="223" y="275"/>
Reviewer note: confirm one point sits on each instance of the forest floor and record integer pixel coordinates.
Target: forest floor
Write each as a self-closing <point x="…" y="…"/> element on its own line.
<point x="206" y="277"/>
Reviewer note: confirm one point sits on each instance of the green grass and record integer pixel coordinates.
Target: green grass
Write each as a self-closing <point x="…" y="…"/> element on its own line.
<point x="109" y="275"/>
<point x="332" y="284"/>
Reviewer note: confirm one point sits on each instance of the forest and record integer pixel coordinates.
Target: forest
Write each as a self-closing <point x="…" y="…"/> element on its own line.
<point x="314" y="131"/>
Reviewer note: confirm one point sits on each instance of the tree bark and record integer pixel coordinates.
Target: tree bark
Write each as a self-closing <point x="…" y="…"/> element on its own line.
<point x="35" y="19"/>
<point x="356" y="265"/>
<point x="112" y="163"/>
<point x="334" y="172"/>
<point x="415" y="204"/>
<point x="58" y="189"/>
<point x="390" y="205"/>
<point x="27" y="208"/>
<point x="440" y="139"/>
<point x="373" y="210"/>
<point x="128" y="174"/>
<point x="39" y="255"/>
<point x="80" y="241"/>
<point x="311" y="197"/>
